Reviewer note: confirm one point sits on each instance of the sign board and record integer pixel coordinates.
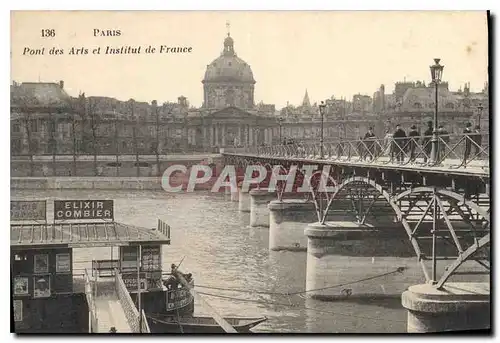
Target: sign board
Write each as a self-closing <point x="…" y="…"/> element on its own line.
<point x="178" y="298"/>
<point x="151" y="259"/>
<point x="28" y="210"/>
<point x="130" y="281"/>
<point x="63" y="263"/>
<point x="83" y="209"/>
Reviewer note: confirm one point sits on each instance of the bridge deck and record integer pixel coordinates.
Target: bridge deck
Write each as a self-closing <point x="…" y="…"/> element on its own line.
<point x="449" y="166"/>
<point x="110" y="313"/>
<point x="109" y="309"/>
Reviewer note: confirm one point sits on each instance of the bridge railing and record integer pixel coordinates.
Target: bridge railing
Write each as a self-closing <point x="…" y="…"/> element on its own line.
<point x="91" y="302"/>
<point x="455" y="150"/>
<point x="131" y="312"/>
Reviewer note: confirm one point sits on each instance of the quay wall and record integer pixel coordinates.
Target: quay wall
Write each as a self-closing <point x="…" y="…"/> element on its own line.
<point x="106" y="166"/>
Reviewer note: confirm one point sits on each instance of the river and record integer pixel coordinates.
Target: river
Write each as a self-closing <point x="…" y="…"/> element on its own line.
<point x="213" y="240"/>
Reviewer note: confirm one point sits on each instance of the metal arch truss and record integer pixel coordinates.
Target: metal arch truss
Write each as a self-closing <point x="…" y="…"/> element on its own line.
<point x="445" y="218"/>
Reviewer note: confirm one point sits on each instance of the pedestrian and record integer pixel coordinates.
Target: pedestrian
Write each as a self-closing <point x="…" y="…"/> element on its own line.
<point x="388" y="149"/>
<point x="468" y="141"/>
<point x="112" y="330"/>
<point x="477" y="140"/>
<point x="399" y="139"/>
<point x="426" y="141"/>
<point x="370" y="143"/>
<point x="413" y="134"/>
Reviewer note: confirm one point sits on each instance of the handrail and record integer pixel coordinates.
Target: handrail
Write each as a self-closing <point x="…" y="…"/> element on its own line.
<point x="131" y="312"/>
<point x="145" y="325"/>
<point x="91" y="303"/>
<point x="453" y="150"/>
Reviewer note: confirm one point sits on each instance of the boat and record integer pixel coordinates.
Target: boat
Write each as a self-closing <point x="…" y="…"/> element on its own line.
<point x="201" y="324"/>
<point x="51" y="296"/>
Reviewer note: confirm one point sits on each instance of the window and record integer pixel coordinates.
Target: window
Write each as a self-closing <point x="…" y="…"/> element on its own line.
<point x="129" y="258"/>
<point x="450" y="105"/>
<point x="417" y="105"/>
<point x="16" y="128"/>
<point x="34" y="126"/>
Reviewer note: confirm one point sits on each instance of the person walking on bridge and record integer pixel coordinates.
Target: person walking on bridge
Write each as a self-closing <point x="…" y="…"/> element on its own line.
<point x="399" y="141"/>
<point x="413" y="134"/>
<point x="369" y="141"/>
<point x="426" y="141"/>
<point x="468" y="142"/>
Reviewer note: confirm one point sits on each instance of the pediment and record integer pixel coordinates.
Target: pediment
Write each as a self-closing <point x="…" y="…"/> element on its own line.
<point x="230" y="112"/>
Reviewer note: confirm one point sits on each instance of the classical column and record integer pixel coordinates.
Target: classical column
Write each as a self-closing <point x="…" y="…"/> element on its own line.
<point x="250" y="136"/>
<point x="204" y="136"/>
<point x="216" y="134"/>
<point x="240" y="139"/>
<point x="224" y="133"/>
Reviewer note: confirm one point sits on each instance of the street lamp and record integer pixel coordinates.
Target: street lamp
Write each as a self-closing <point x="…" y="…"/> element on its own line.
<point x="479" y="113"/>
<point x="322" y="108"/>
<point x="436" y="74"/>
<point x="280" y="121"/>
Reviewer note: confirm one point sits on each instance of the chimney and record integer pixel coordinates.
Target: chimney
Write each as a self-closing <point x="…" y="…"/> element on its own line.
<point x="61" y="84"/>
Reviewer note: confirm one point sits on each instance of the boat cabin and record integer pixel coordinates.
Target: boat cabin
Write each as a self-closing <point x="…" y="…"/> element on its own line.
<point x="48" y="294"/>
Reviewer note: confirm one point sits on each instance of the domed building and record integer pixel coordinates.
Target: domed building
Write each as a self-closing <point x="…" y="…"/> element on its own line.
<point x="229" y="115"/>
<point x="228" y="81"/>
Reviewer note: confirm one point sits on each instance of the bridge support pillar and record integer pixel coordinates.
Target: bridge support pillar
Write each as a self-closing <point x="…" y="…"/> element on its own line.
<point x="346" y="259"/>
<point x="244" y="200"/>
<point x="457" y="306"/>
<point x="286" y="223"/>
<point x="233" y="196"/>
<point x="259" y="213"/>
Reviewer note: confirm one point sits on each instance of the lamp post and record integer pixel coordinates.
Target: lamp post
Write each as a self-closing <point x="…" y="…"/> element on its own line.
<point x="436" y="74"/>
<point x="280" y="121"/>
<point x="479" y="113"/>
<point x="322" y="108"/>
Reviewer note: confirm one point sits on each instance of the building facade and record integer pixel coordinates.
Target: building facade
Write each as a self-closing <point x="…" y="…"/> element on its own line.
<point x="46" y="120"/>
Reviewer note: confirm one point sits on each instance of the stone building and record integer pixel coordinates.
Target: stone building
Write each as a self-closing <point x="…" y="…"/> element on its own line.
<point x="46" y="120"/>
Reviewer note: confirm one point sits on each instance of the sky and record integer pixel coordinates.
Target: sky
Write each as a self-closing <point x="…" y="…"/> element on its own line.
<point x="328" y="52"/>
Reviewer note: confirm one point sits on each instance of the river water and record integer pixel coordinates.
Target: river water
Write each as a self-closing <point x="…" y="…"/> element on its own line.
<point x="213" y="240"/>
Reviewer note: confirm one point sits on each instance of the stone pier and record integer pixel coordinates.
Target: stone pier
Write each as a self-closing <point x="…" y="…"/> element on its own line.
<point x="457" y="306"/>
<point x="233" y="196"/>
<point x="287" y="219"/>
<point x="346" y="259"/>
<point x="244" y="200"/>
<point x="259" y="212"/>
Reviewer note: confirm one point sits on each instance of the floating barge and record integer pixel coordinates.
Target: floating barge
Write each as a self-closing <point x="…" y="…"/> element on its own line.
<point x="49" y="296"/>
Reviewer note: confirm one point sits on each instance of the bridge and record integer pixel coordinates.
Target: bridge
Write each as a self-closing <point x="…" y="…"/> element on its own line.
<point x="436" y="190"/>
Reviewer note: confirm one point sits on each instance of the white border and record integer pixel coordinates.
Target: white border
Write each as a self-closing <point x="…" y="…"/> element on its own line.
<point x="203" y="5"/>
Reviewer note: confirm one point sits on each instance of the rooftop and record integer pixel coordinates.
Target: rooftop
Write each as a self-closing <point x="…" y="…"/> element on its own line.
<point x="82" y="235"/>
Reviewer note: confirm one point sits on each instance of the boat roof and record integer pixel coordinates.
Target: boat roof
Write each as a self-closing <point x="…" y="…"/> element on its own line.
<point x="84" y="235"/>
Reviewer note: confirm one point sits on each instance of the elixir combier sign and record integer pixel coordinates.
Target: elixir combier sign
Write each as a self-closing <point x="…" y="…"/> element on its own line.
<point x="83" y="209"/>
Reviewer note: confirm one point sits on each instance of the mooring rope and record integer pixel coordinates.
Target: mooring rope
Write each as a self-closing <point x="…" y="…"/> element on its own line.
<point x="298" y="307"/>
<point x="398" y="270"/>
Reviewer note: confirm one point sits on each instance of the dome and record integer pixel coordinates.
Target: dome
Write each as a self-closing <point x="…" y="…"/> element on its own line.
<point x="228" y="66"/>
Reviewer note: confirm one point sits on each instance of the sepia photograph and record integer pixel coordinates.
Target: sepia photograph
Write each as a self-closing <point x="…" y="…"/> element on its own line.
<point x="250" y="172"/>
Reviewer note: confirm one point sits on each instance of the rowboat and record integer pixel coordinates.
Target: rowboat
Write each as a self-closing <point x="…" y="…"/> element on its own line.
<point x="201" y="324"/>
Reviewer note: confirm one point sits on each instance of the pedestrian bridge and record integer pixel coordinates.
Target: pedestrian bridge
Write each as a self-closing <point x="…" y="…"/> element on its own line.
<point x="438" y="191"/>
<point x="110" y="305"/>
